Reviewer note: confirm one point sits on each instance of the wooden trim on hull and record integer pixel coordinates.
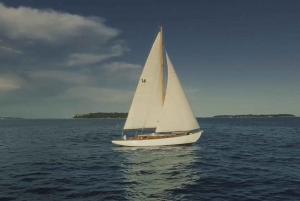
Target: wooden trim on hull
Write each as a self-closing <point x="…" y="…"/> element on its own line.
<point x="153" y="137"/>
<point x="178" y="141"/>
<point x="174" y="145"/>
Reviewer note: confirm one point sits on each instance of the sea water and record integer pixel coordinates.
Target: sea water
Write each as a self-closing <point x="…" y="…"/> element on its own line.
<point x="235" y="159"/>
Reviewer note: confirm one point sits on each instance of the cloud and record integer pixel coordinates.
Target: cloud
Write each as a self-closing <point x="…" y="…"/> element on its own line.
<point x="53" y="39"/>
<point x="10" y="50"/>
<point x="95" y="94"/>
<point x="121" y="66"/>
<point x="87" y="59"/>
<point x="62" y="76"/>
<point x="49" y="25"/>
<point x="9" y="83"/>
<point x="55" y="59"/>
<point x="84" y="59"/>
<point x="130" y="72"/>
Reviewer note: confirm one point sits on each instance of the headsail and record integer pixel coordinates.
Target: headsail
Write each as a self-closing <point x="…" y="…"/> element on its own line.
<point x="177" y="114"/>
<point x="148" y="99"/>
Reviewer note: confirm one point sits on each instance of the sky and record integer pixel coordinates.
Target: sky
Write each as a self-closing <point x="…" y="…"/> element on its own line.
<point x="59" y="58"/>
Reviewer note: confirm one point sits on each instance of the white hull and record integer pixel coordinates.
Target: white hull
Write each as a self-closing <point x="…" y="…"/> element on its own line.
<point x="180" y="140"/>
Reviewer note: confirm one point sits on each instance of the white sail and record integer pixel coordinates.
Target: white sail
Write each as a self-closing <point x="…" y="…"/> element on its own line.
<point x="177" y="114"/>
<point x="147" y="102"/>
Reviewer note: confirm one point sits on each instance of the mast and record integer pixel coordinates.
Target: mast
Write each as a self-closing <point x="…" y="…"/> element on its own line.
<point x="162" y="64"/>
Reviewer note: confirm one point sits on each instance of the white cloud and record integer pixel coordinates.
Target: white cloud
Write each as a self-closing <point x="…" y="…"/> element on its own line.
<point x="62" y="76"/>
<point x="125" y="70"/>
<point x="87" y="59"/>
<point x="95" y="94"/>
<point x="46" y="42"/>
<point x="121" y="66"/>
<point x="56" y="39"/>
<point x="49" y="25"/>
<point x="11" y="50"/>
<point x="9" y="83"/>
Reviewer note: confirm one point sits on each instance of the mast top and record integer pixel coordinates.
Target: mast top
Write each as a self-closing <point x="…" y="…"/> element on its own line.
<point x="160" y="29"/>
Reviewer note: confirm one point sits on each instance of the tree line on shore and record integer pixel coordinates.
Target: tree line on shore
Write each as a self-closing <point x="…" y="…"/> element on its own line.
<point x="102" y="115"/>
<point x="254" y="115"/>
<point x="125" y="114"/>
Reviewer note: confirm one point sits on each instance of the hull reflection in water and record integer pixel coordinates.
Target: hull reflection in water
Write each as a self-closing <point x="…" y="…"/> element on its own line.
<point x="158" y="173"/>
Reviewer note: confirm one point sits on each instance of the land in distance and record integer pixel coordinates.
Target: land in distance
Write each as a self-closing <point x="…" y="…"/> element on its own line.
<point x="102" y="115"/>
<point x="124" y="115"/>
<point x="6" y="118"/>
<point x="254" y="115"/>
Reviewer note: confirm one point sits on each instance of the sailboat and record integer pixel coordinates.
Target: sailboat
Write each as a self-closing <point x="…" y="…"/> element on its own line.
<point x="167" y="111"/>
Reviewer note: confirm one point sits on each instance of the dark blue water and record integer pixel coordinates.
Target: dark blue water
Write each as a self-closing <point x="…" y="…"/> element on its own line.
<point x="235" y="159"/>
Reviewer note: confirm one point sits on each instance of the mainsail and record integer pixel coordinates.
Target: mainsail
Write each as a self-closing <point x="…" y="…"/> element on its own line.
<point x="148" y="99"/>
<point x="177" y="114"/>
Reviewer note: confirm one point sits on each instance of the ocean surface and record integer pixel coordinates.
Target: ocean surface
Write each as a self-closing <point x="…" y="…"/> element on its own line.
<point x="72" y="159"/>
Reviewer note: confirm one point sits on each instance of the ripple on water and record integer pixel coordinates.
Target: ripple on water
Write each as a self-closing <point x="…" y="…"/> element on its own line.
<point x="235" y="159"/>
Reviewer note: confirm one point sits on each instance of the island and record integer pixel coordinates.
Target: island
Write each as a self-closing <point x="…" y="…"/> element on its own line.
<point x="108" y="115"/>
<point x="101" y="115"/>
<point x="254" y="115"/>
<point x="10" y="118"/>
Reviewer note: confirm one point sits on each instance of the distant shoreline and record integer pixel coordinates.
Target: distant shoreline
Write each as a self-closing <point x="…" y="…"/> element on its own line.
<point x="217" y="116"/>
<point x="102" y="115"/>
<point x="7" y="118"/>
<point x="255" y="116"/>
<point x="123" y="115"/>
<point x="99" y="118"/>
